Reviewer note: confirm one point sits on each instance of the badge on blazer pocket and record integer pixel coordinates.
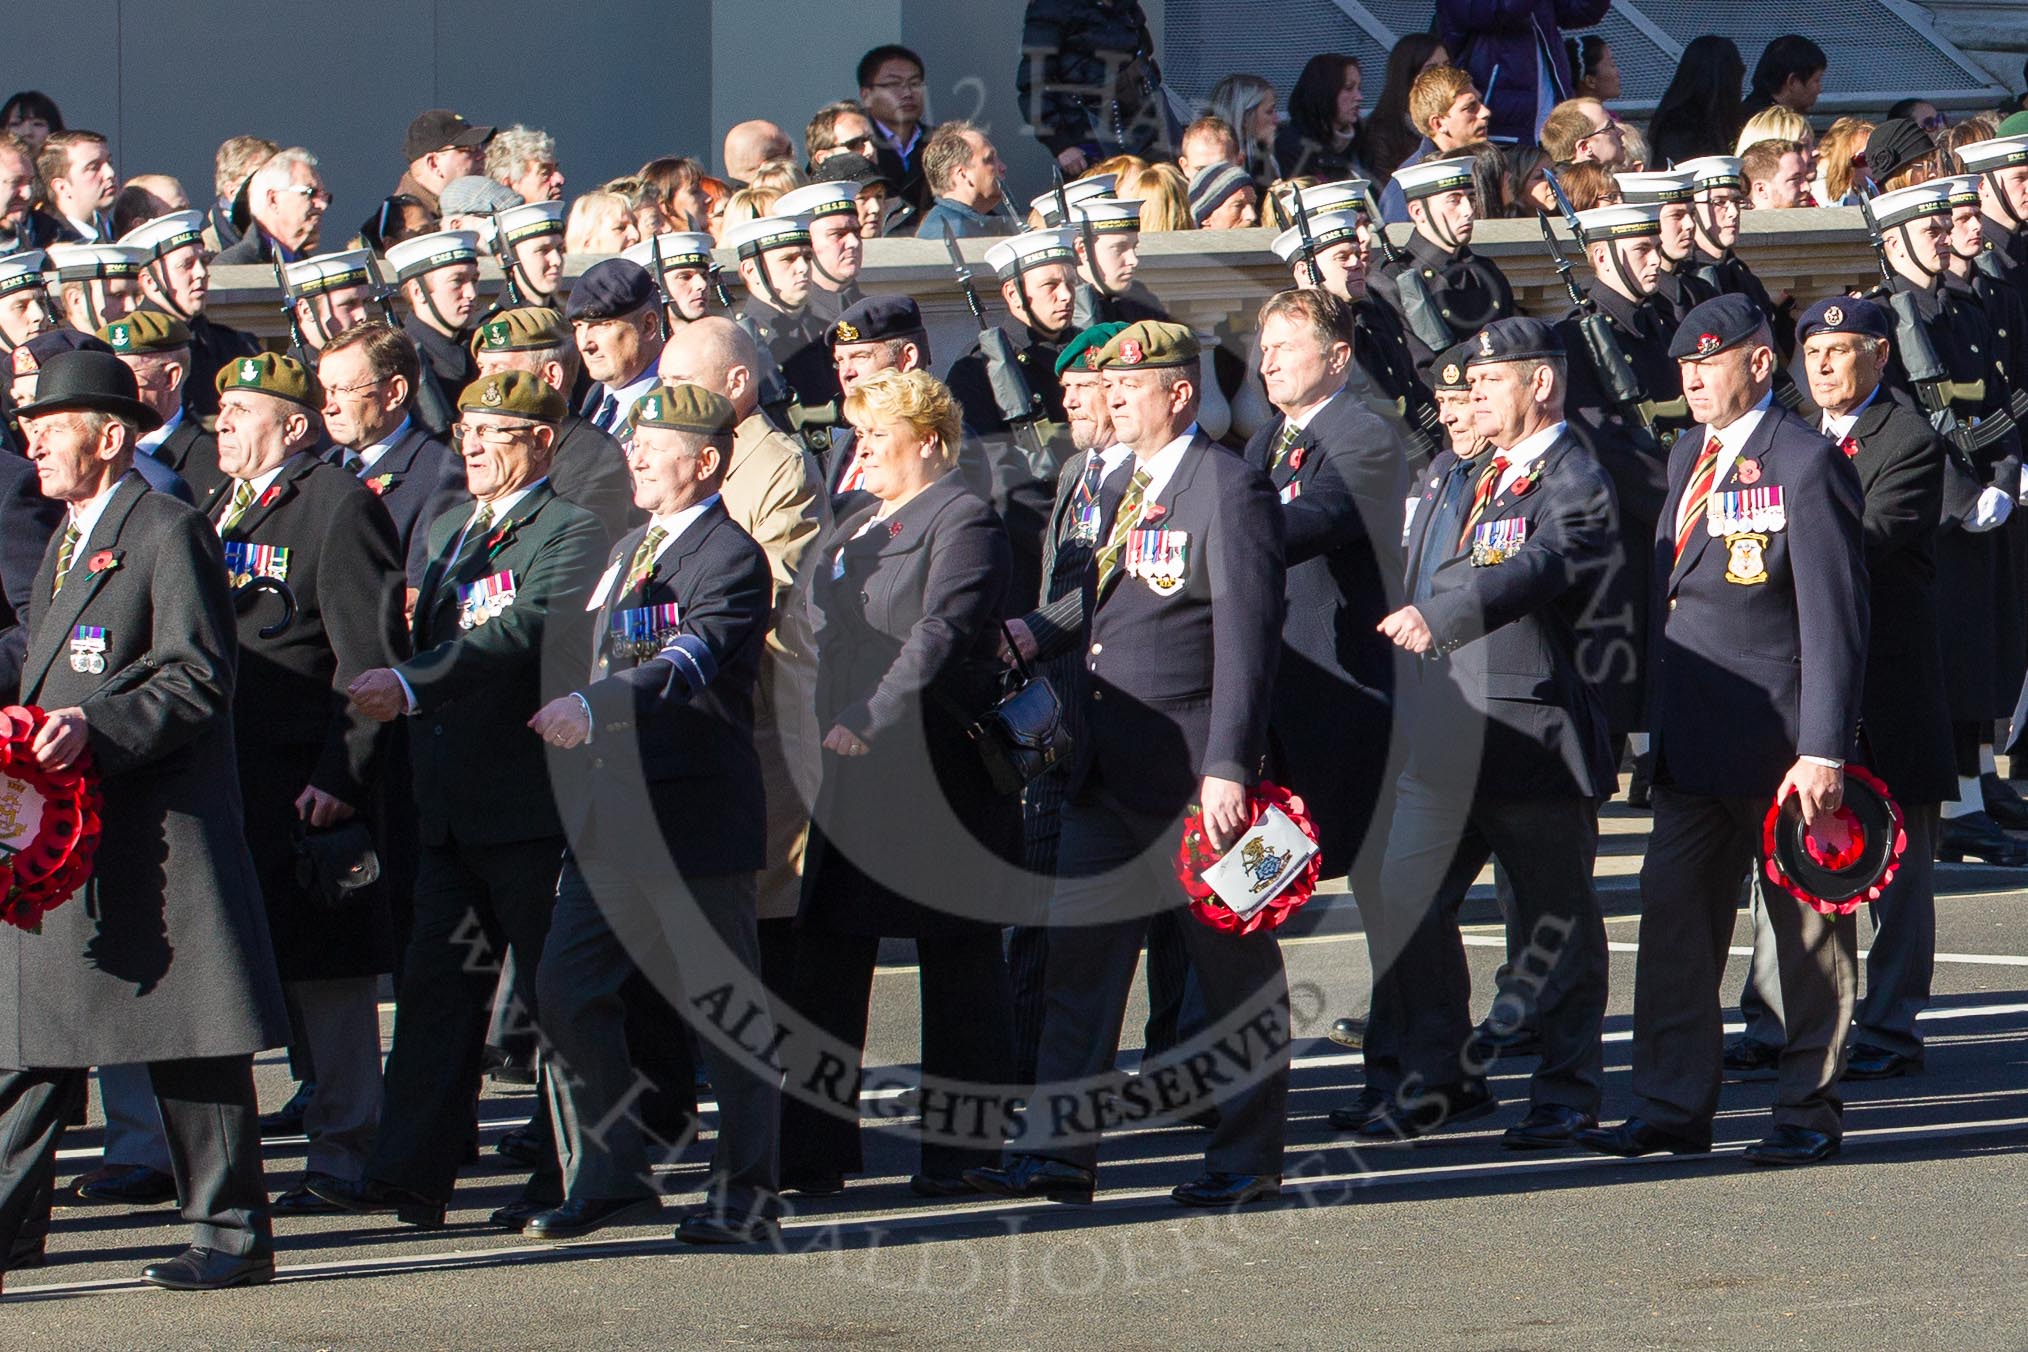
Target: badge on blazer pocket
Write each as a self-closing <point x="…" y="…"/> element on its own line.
<point x="1160" y="558"/>
<point x="1746" y="559"/>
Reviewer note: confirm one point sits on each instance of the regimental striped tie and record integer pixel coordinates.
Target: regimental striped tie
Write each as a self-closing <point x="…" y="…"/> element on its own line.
<point x="643" y="562"/>
<point x="1286" y="442"/>
<point x="475" y="538"/>
<point x="242" y="498"/>
<point x="1482" y="493"/>
<point x="1124" y="520"/>
<point x="66" y="554"/>
<point x="1702" y="475"/>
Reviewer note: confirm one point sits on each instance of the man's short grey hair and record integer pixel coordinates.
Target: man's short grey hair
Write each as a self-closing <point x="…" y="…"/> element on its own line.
<point x="279" y="169"/>
<point x="514" y="148"/>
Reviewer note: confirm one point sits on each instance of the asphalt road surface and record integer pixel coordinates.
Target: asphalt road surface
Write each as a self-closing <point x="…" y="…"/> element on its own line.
<point x="1917" y="1236"/>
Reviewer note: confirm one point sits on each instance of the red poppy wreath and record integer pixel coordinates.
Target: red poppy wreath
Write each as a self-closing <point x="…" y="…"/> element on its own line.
<point x="49" y="823"/>
<point x="1196" y="854"/>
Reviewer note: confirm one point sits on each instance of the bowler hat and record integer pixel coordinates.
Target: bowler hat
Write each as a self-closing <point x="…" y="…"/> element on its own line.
<point x="93" y="380"/>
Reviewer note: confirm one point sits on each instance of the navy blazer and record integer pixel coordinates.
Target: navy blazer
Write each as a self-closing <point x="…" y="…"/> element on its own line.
<point x="1509" y="637"/>
<point x="1758" y="653"/>
<point x="27" y="520"/>
<point x="418" y="479"/>
<point x="1179" y="686"/>
<point x="1341" y="488"/>
<point x="673" y="728"/>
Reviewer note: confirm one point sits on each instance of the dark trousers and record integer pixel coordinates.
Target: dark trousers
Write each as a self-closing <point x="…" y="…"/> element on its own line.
<point x="1168" y="968"/>
<point x="213" y="1127"/>
<point x="473" y="905"/>
<point x="1899" y="964"/>
<point x="964" y="1039"/>
<point x="1116" y="870"/>
<point x="611" y="923"/>
<point x="1700" y="849"/>
<point x="1438" y="842"/>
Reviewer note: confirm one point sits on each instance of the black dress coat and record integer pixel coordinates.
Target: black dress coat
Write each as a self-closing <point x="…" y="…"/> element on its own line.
<point x="164" y="954"/>
<point x="1905" y="732"/>
<point x="906" y="622"/>
<point x="27" y="519"/>
<point x="418" y="478"/>
<point x="589" y="470"/>
<point x="193" y="453"/>
<point x="1469" y="291"/>
<point x="1341" y="488"/>
<point x="292" y="721"/>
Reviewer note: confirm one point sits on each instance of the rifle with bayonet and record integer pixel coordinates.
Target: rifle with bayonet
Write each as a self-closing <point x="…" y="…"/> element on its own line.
<point x="1928" y="377"/>
<point x="1616" y="377"/>
<point x="1419" y="310"/>
<point x="1016" y="402"/>
<point x="1307" y="244"/>
<point x="298" y="347"/>
<point x="512" y="296"/>
<point x="432" y="409"/>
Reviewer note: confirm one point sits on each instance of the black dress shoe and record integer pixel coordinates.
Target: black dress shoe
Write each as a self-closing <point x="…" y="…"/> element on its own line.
<point x="1867" y="1062"/>
<point x="523" y="1145"/>
<point x="814" y="1185"/>
<point x="1034" y="1176"/>
<point x="707" y="1225"/>
<point x="1228" y="1190"/>
<point x="32" y="1254"/>
<point x="370" y="1197"/>
<point x="287" y="1120"/>
<point x="1792" y="1145"/>
<point x="1349" y="1033"/>
<point x="1635" y="1137"/>
<point x="1547" y="1126"/>
<point x="516" y="1214"/>
<point x="1748" y="1058"/>
<point x="1641" y="784"/>
<point x="1976" y="835"/>
<point x="583" y="1216"/>
<point x="209" y="1270"/>
<point x="1440" y="1108"/>
<point x="300" y="1201"/>
<point x="2004" y="803"/>
<point x="1370" y="1103"/>
<point x="940" y="1185"/>
<point x="126" y="1185"/>
<point x="1490" y="1043"/>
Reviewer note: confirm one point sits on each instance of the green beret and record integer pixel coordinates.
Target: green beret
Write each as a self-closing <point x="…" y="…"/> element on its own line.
<point x="516" y="394"/>
<point x="528" y="329"/>
<point x="686" y="408"/>
<point x="145" y="331"/>
<point x="1085" y="348"/>
<point x="1149" y="345"/>
<point x="272" y="373"/>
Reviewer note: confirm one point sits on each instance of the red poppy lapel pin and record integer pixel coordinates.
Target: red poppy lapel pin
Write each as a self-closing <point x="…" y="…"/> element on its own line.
<point x="380" y="483"/>
<point x="103" y="562"/>
<point x="894" y="530"/>
<point x="497" y="541"/>
<point x="1296" y="456"/>
<point x="272" y="496"/>
<point x="1155" y="512"/>
<point x="1527" y="482"/>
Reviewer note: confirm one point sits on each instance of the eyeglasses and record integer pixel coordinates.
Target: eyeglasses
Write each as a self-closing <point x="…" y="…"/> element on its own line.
<point x="355" y="389"/>
<point x="308" y="193"/>
<point x="864" y="143"/>
<point x="1936" y="122"/>
<point x="493" y="434"/>
<point x="914" y="86"/>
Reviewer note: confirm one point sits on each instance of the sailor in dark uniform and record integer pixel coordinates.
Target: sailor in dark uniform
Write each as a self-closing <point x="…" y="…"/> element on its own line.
<point x="1679" y="289"/>
<point x="528" y="245"/>
<point x="96" y="283"/>
<point x="333" y="292"/>
<point x="1720" y="195"/>
<point x="832" y="210"/>
<point x="175" y="280"/>
<point x="775" y="264"/>
<point x="1468" y="290"/>
<point x="1106" y="233"/>
<point x="439" y="276"/>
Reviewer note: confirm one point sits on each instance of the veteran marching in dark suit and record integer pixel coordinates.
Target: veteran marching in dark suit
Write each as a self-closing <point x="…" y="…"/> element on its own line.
<point x="909" y="838"/>
<point x="498" y="622"/>
<point x="1756" y="675"/>
<point x="1905" y="735"/>
<point x="1508" y="755"/>
<point x="661" y="790"/>
<point x="164" y="957"/>
<point x="309" y="762"/>
<point x="1185" y="599"/>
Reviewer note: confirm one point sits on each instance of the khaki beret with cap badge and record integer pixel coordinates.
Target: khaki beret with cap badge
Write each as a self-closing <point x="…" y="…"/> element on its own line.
<point x="275" y="374"/>
<point x="686" y="408"/>
<point x="514" y="394"/>
<point x="1150" y="345"/>
<point x="526" y="328"/>
<point x="145" y="331"/>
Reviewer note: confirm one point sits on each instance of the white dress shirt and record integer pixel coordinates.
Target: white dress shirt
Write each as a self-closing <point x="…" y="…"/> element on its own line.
<point x="1524" y="454"/>
<point x="369" y="455"/>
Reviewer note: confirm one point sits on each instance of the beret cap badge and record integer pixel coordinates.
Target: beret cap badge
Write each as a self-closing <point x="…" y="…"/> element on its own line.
<point x="1834" y="316"/>
<point x="490" y="396"/>
<point x="1130" y="353"/>
<point x="847" y="332"/>
<point x="1452" y="373"/>
<point x="249" y="372"/>
<point x="1707" y="343"/>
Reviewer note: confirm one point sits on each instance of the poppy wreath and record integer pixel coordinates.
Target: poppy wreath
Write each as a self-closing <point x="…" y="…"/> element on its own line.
<point x="1196" y="854"/>
<point x="54" y="861"/>
<point x="1847" y="847"/>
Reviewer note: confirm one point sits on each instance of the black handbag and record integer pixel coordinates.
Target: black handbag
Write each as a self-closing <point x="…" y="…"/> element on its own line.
<point x="335" y="865"/>
<point x="1024" y="733"/>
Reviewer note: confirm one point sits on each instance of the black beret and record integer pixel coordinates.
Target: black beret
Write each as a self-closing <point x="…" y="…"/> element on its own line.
<point x="610" y="289"/>
<point x="1843" y="314"/>
<point x="30" y="356"/>
<point x="1447" y="372"/>
<point x="1719" y="323"/>
<point x="849" y="167"/>
<point x="1894" y="145"/>
<point x="877" y="319"/>
<point x="1516" y="339"/>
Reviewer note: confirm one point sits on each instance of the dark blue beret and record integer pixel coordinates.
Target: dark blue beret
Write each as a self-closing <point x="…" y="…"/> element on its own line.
<point x="1843" y="314"/>
<point x="610" y="289"/>
<point x="1719" y="323"/>
<point x="877" y="319"/>
<point x="1516" y="339"/>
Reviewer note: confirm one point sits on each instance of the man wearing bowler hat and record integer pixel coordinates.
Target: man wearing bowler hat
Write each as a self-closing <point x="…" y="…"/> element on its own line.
<point x="163" y="959"/>
<point x="1756" y="665"/>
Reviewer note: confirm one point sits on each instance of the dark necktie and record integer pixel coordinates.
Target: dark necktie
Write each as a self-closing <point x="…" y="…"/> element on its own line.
<point x="609" y="408"/>
<point x="1445" y="512"/>
<point x="475" y="539"/>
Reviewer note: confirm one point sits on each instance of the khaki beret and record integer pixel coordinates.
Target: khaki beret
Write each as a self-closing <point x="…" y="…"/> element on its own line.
<point x="686" y="408"/>
<point x="145" y="331"/>
<point x="516" y="394"/>
<point x="1150" y="345"/>
<point x="530" y="328"/>
<point x="271" y="373"/>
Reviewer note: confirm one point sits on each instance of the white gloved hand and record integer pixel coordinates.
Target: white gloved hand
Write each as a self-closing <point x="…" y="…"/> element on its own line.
<point x="1991" y="511"/>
